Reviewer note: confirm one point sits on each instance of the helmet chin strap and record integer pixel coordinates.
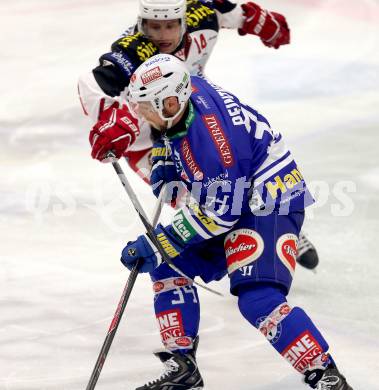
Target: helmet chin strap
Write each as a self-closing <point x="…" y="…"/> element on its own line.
<point x="170" y="120"/>
<point x="182" y="42"/>
<point x="169" y="123"/>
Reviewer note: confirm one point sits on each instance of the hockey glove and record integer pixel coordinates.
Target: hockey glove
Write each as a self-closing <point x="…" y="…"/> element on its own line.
<point x="163" y="169"/>
<point x="115" y="131"/>
<point x="144" y="249"/>
<point x="271" y="27"/>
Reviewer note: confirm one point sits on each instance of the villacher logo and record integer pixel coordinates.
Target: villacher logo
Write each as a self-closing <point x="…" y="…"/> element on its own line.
<point x="242" y="247"/>
<point x="286" y="248"/>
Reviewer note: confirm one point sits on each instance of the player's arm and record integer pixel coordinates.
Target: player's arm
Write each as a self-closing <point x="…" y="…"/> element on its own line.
<point x="107" y="82"/>
<point x="213" y="214"/>
<point x="102" y="95"/>
<point x="251" y="18"/>
<point x="190" y="225"/>
<point x="115" y="128"/>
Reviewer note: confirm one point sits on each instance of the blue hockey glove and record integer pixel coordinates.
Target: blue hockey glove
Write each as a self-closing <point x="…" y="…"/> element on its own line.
<point x="163" y="169"/>
<point x="141" y="248"/>
<point x="144" y="249"/>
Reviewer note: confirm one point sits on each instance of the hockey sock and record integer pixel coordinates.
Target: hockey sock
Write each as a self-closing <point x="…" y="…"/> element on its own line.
<point x="177" y="309"/>
<point x="289" y="330"/>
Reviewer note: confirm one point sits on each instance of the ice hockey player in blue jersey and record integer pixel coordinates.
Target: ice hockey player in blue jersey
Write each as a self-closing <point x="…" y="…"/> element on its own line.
<point x="243" y="219"/>
<point x="189" y="30"/>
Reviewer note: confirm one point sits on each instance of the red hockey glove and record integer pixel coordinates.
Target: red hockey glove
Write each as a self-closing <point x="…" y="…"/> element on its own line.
<point x="271" y="27"/>
<point x="115" y="131"/>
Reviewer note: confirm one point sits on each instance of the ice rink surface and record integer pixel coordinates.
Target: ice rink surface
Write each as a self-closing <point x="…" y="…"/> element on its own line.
<point x="64" y="218"/>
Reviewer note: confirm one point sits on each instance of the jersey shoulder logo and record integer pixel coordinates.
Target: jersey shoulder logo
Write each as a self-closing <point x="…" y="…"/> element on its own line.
<point x="136" y="45"/>
<point x="200" y="16"/>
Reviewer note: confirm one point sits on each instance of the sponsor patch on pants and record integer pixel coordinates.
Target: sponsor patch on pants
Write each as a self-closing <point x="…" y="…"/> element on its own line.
<point x="242" y="246"/>
<point x="286" y="248"/>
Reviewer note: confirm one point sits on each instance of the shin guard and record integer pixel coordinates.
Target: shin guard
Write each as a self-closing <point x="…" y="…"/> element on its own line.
<point x="177" y="309"/>
<point x="290" y="331"/>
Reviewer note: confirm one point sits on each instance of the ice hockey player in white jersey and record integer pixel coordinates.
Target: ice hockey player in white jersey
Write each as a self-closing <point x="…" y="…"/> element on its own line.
<point x="189" y="30"/>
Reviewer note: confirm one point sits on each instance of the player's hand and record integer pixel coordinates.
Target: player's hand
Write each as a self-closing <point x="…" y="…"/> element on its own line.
<point x="163" y="168"/>
<point x="271" y="27"/>
<point x="144" y="249"/>
<point x="115" y="131"/>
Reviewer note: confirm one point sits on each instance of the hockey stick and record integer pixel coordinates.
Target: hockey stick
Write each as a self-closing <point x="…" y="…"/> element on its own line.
<point x="149" y="229"/>
<point x="113" y="327"/>
<point x="120" y="308"/>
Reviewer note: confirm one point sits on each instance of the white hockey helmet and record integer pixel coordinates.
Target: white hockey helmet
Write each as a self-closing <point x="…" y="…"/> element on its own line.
<point x="163" y="10"/>
<point x="158" y="78"/>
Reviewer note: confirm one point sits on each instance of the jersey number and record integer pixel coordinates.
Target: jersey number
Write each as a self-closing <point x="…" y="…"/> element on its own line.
<point x="180" y="293"/>
<point x="202" y="44"/>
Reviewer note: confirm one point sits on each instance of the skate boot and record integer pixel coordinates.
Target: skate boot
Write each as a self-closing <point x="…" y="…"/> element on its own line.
<point x="181" y="372"/>
<point x="306" y="253"/>
<point x="331" y="379"/>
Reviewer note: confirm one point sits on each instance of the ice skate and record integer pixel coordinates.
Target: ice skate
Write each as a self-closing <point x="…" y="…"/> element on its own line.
<point x="333" y="380"/>
<point x="306" y="253"/>
<point x="330" y="379"/>
<point x="181" y="372"/>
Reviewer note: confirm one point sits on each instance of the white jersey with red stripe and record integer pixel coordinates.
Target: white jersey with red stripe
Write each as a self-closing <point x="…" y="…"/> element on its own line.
<point x="109" y="81"/>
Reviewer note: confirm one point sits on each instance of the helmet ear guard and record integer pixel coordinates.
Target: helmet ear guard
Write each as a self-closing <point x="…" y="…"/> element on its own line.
<point x="158" y="78"/>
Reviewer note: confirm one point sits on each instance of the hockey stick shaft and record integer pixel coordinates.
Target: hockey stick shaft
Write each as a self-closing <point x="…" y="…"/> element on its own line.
<point x="158" y="206"/>
<point x="120" y="308"/>
<point x="113" y="327"/>
<point x="149" y="228"/>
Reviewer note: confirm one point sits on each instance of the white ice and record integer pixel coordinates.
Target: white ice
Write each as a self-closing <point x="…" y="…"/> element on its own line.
<point x="64" y="217"/>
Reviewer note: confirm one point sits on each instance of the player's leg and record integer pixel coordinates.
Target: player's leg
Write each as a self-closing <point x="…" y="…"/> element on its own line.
<point x="177" y="309"/>
<point x="290" y="331"/>
<point x="261" y="274"/>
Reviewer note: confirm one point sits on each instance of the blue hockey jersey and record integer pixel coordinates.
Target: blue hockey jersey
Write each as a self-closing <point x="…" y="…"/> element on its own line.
<point x="233" y="163"/>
